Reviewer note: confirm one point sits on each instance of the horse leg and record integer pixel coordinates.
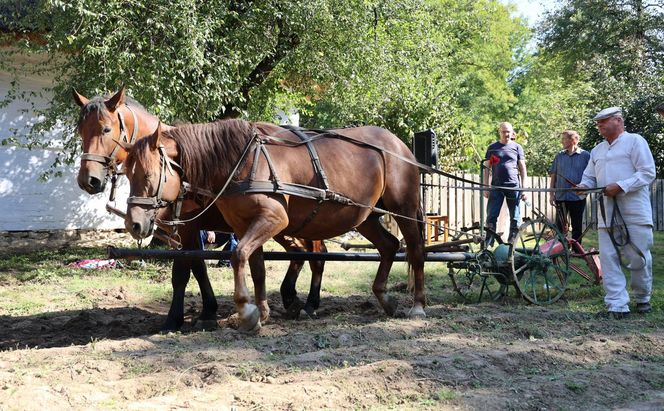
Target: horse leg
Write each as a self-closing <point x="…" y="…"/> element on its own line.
<point x="289" y="298"/>
<point x="387" y="246"/>
<point x="412" y="234"/>
<point x="293" y="305"/>
<point x="259" y="231"/>
<point x="190" y="238"/>
<point x="257" y="268"/>
<point x="208" y="318"/>
<point x="179" y="280"/>
<point x="317" y="267"/>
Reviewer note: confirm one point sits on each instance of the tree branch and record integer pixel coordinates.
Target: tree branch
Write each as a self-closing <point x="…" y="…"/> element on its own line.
<point x="285" y="44"/>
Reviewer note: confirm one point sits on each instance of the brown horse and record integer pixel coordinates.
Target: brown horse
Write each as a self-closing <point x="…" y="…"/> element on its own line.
<point x="269" y="176"/>
<point x="102" y="122"/>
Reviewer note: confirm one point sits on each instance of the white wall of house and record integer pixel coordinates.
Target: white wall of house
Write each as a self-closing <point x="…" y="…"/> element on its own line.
<point x="26" y="203"/>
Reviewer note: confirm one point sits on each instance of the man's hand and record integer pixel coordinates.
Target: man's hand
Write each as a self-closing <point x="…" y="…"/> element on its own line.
<point x="552" y="198"/>
<point x="486" y="194"/>
<point x="612" y="190"/>
<point x="211" y="237"/>
<point x="581" y="194"/>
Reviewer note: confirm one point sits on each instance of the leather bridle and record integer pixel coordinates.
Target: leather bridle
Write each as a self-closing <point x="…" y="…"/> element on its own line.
<point x="155" y="202"/>
<point x="110" y="162"/>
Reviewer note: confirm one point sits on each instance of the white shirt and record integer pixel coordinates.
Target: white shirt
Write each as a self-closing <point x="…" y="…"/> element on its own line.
<point x="627" y="162"/>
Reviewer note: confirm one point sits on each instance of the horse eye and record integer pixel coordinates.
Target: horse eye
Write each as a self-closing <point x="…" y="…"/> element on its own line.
<point x="106" y="130"/>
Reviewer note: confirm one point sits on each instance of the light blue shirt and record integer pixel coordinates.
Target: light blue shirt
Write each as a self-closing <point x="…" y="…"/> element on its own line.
<point x="627" y="162"/>
<point x="570" y="167"/>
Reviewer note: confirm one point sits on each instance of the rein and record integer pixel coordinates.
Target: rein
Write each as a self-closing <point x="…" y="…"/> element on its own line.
<point x="482" y="186"/>
<point x="619" y="233"/>
<point x="259" y="140"/>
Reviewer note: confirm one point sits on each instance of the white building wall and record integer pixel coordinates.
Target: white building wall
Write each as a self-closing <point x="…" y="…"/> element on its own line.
<point x="26" y="203"/>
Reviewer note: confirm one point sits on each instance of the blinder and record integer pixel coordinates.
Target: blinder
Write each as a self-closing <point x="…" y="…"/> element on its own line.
<point x="156" y="201"/>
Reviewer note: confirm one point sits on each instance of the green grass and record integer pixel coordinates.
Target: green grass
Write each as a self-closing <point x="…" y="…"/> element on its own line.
<point x="43" y="281"/>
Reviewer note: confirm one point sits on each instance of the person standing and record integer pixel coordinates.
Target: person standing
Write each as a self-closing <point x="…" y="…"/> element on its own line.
<point x="623" y="164"/>
<point x="504" y="166"/>
<point x="565" y="172"/>
<point x="218" y="238"/>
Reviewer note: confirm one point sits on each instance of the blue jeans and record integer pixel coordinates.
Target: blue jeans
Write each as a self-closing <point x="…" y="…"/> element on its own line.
<point x="495" y="203"/>
<point x="230" y="241"/>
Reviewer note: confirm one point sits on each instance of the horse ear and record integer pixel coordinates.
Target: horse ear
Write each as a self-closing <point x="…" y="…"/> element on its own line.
<point x="79" y="99"/>
<point x="155" y="137"/>
<point x="124" y="144"/>
<point x="118" y="98"/>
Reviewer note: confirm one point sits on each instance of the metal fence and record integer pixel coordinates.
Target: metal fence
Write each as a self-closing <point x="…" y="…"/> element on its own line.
<point x="448" y="197"/>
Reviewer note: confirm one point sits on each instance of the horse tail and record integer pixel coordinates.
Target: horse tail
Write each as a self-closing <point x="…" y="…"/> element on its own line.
<point x="409" y="266"/>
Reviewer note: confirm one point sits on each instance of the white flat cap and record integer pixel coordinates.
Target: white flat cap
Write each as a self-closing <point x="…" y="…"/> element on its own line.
<point x="608" y="112"/>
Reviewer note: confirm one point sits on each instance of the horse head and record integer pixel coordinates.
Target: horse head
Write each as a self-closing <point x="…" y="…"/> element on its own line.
<point x="154" y="181"/>
<point x="102" y="122"/>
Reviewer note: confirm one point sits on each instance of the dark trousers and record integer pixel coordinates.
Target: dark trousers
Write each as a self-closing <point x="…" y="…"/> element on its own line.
<point x="495" y="203"/>
<point x="573" y="209"/>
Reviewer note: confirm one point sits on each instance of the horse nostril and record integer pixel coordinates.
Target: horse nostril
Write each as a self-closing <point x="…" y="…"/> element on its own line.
<point x="96" y="184"/>
<point x="136" y="228"/>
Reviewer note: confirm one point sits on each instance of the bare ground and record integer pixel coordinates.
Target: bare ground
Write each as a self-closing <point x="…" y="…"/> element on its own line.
<point x="486" y="357"/>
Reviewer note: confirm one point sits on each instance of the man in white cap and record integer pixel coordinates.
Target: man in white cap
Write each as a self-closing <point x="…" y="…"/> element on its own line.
<point x="624" y="165"/>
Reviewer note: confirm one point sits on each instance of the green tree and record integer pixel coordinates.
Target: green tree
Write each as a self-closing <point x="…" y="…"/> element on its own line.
<point x="617" y="46"/>
<point x="548" y="103"/>
<point x="404" y="64"/>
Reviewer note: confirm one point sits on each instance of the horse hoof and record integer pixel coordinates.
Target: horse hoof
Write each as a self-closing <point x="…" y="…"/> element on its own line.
<point x="170" y="326"/>
<point x="306" y="315"/>
<point x="417" y="312"/>
<point x="264" y="310"/>
<point x="205" y="325"/>
<point x="390" y="306"/>
<point x="250" y="322"/>
<point x="293" y="312"/>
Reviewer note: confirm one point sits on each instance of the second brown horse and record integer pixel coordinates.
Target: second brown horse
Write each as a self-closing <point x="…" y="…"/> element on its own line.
<point x="269" y="177"/>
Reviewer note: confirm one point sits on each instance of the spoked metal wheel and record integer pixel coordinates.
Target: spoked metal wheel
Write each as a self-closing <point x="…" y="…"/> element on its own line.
<point x="540" y="261"/>
<point x="477" y="279"/>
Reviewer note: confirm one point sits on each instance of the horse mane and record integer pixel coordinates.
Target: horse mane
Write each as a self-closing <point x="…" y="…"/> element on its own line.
<point x="207" y="152"/>
<point x="96" y="105"/>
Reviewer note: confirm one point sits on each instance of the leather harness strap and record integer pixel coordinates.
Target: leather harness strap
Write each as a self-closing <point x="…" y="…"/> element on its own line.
<point x="275" y="185"/>
<point x="315" y="160"/>
<point x="619" y="233"/>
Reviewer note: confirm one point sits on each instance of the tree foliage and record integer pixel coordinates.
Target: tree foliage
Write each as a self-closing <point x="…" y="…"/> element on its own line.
<point x="615" y="49"/>
<point x="406" y="65"/>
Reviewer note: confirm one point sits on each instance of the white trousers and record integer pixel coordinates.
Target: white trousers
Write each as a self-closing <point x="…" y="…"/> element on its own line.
<point x="614" y="281"/>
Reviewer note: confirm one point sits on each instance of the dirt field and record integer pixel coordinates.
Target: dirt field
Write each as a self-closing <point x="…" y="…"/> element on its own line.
<point x="485" y="357"/>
